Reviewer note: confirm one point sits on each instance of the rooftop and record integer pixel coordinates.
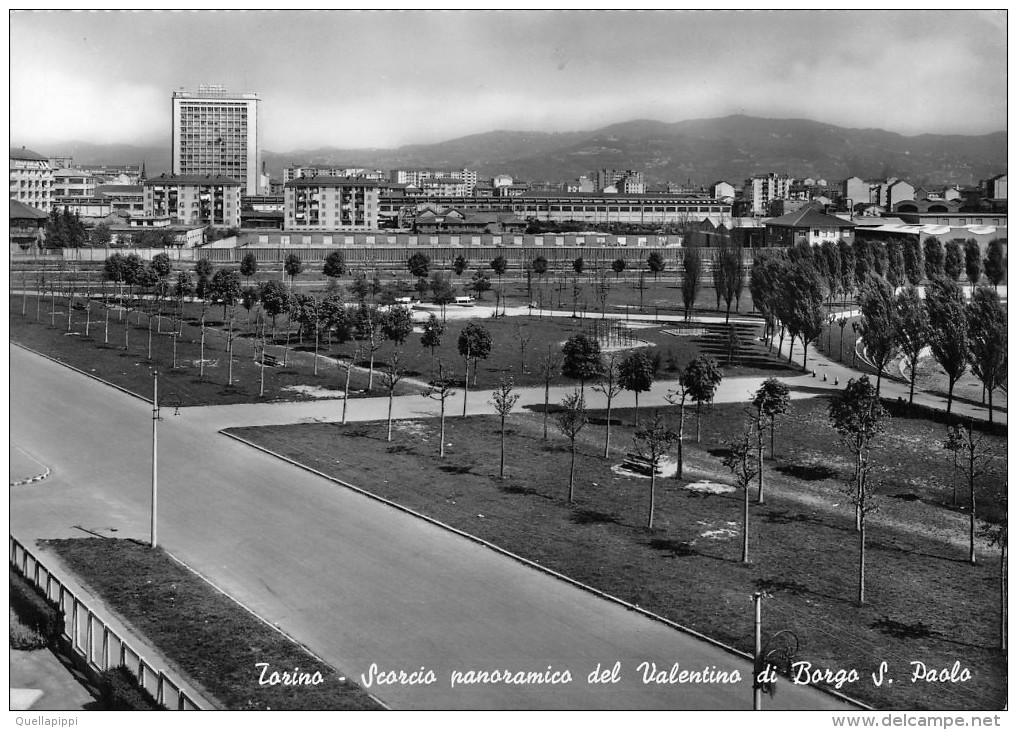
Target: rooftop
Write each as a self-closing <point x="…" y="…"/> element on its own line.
<point x="20" y="211"/>
<point x="167" y="179"/>
<point x="26" y="154"/>
<point x="808" y="217"/>
<point x="305" y="182"/>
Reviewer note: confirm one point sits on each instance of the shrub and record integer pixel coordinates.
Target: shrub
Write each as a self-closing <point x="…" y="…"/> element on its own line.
<point x="119" y="690"/>
<point x="35" y="610"/>
<point x="24" y="637"/>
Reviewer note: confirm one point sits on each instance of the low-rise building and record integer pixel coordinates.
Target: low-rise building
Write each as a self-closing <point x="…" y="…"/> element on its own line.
<point x="128" y="199"/>
<point x="72" y="183"/>
<point x="27" y="227"/>
<point x="807" y="225"/>
<point x="95" y="206"/>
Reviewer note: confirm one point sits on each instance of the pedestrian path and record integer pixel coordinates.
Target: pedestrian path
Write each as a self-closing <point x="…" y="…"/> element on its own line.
<point x="40" y="681"/>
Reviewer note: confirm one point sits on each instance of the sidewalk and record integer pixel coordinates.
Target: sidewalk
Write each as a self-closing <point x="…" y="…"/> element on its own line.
<point x="40" y="682"/>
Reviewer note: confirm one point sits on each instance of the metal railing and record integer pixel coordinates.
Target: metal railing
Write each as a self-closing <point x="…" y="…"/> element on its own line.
<point x="93" y="642"/>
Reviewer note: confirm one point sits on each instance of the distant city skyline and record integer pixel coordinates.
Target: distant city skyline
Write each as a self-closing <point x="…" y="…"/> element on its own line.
<point x="373" y="79"/>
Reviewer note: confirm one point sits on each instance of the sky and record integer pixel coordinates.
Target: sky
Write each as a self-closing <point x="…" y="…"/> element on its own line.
<point x="362" y="79"/>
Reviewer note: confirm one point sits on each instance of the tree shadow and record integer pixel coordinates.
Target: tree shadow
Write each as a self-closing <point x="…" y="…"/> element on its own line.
<point x="809" y="472"/>
<point x="593" y="517"/>
<point x="674" y="548"/>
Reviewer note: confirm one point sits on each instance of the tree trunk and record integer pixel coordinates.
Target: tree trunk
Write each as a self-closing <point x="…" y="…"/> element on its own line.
<point x="1003" y="591"/>
<point x="911" y="390"/>
<point x="949" y="396"/>
<point x="501" y="464"/>
<point x="681" y="439"/>
<point x="971" y="500"/>
<point x="653" y="495"/>
<point x="745" y="521"/>
<point x="607" y="436"/>
<point x="441" y="429"/>
<point x="805" y="356"/>
<point x="346" y="391"/>
<point x="859" y="486"/>
<point x="466" y="386"/>
<point x="370" y="372"/>
<point x="773" y="431"/>
<point x="572" y="470"/>
<point x="390" y="392"/>
<point x="105" y="335"/>
<point x="201" y="354"/>
<point x="149" y="338"/>
<point x="861" y="560"/>
<point x="990" y="404"/>
<point x="315" y="351"/>
<point x="759" y="457"/>
<point x="698" y="420"/>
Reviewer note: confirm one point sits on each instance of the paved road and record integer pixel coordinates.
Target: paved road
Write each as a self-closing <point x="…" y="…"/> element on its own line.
<point x="356" y="580"/>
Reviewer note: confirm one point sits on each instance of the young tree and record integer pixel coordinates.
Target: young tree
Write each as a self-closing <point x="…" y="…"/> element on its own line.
<point x="249" y="266"/>
<point x="369" y="324"/>
<point x="480" y="283"/>
<point x="397" y="325"/>
<point x="772" y="400"/>
<point x="953" y="262"/>
<point x="499" y="265"/>
<point x="948" y="329"/>
<point x="419" y="264"/>
<point x="293" y="266"/>
<point x="831" y="267"/>
<point x="976" y="461"/>
<point x="847" y="267"/>
<point x="540" y="267"/>
<point x="570" y="421"/>
<point x="972" y="262"/>
<point x="933" y="251"/>
<point x="864" y="260"/>
<point x="581" y="359"/>
<point x="459" y="265"/>
<point x="653" y="443"/>
<point x="275" y="300"/>
<point x="579" y="265"/>
<point x="744" y="468"/>
<point x="504" y="402"/>
<point x="913" y="330"/>
<point x="334" y="265"/>
<point x="523" y="340"/>
<point x="434" y="328"/>
<point x="442" y="293"/>
<point x="656" y="264"/>
<point x="441" y="390"/>
<point x="359" y="287"/>
<point x="225" y="289"/>
<point x="879" y="324"/>
<point x="702" y="376"/>
<point x="859" y="417"/>
<point x="987" y="340"/>
<point x="391" y="376"/>
<point x="914" y="261"/>
<point x="203" y="272"/>
<point x="101" y="236"/>
<point x="692" y="268"/>
<point x="608" y="384"/>
<point x="995" y="262"/>
<point x="548" y="367"/>
<point x="636" y="372"/>
<point x="618" y="266"/>
<point x="474" y="344"/>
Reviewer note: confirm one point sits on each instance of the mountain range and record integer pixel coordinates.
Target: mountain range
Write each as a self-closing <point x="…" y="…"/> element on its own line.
<point x="701" y="151"/>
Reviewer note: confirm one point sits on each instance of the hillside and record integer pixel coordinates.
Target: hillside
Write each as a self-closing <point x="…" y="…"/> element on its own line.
<point x="703" y="150"/>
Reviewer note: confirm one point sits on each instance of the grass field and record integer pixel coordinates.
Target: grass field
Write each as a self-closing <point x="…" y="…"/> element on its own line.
<point x="212" y="639"/>
<point x="44" y="328"/>
<point x="925" y="603"/>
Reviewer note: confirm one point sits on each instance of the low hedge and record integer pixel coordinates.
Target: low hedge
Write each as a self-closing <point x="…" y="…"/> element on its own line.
<point x="35" y="610"/>
<point x="119" y="690"/>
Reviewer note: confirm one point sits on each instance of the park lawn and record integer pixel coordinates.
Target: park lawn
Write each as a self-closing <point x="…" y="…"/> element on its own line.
<point x="924" y="602"/>
<point x="211" y="638"/>
<point x="183" y="386"/>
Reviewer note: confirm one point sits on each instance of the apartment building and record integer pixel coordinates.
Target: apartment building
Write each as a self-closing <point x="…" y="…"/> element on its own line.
<point x="31" y="179"/>
<point x="296" y="171"/>
<point x="216" y="133"/>
<point x="759" y="191"/>
<point x="417" y="177"/>
<point x="331" y="204"/>
<point x="72" y="183"/>
<point x="205" y="200"/>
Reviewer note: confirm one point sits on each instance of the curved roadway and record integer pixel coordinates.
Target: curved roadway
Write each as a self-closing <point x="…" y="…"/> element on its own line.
<point x="356" y="580"/>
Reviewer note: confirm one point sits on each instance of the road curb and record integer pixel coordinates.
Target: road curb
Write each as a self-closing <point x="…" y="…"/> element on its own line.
<point x="83" y="372"/>
<point x="530" y="563"/>
<point x="31" y="480"/>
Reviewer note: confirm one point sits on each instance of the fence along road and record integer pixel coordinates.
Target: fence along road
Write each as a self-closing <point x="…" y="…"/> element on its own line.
<point x="357" y="581"/>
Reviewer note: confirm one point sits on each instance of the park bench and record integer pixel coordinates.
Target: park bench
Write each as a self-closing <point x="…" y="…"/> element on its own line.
<point x="270" y="361"/>
<point x="640" y="464"/>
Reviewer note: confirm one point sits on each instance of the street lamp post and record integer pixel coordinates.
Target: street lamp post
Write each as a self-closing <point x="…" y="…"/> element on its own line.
<point x="155" y="454"/>
<point x="775" y="657"/>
